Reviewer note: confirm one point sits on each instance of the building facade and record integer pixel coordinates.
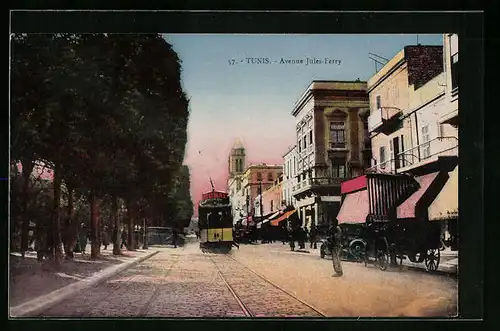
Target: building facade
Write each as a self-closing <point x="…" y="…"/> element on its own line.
<point x="414" y="124"/>
<point x="272" y="198"/>
<point x="257" y="179"/>
<point x="332" y="145"/>
<point x="405" y="97"/>
<point x="290" y="175"/>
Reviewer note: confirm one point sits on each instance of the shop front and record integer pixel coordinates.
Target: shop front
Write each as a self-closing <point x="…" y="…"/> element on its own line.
<point x="444" y="210"/>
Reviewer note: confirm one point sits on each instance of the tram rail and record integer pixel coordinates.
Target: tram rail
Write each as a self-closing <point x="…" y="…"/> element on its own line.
<point x="245" y="305"/>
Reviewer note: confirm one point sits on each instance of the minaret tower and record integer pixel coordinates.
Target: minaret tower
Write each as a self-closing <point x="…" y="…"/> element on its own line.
<point x="237" y="160"/>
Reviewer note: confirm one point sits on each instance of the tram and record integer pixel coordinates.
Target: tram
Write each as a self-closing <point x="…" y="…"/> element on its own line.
<point x="215" y="221"/>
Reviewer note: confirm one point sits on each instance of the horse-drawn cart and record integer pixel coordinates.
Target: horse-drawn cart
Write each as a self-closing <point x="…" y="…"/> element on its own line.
<point x="391" y="211"/>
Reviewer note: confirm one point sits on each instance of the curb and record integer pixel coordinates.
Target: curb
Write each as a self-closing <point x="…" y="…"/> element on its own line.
<point x="46" y="301"/>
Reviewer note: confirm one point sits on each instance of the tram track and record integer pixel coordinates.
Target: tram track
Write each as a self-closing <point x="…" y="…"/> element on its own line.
<point x="292" y="306"/>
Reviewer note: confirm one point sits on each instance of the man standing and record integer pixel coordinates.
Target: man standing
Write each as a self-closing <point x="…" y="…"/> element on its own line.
<point x="313" y="236"/>
<point x="335" y="240"/>
<point x="174" y="236"/>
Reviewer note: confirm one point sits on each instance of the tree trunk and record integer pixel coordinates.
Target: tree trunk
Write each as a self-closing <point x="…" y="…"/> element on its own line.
<point x="24" y="219"/>
<point x="71" y="232"/>
<point x="130" y="239"/>
<point x="94" y="226"/>
<point x="116" y="227"/>
<point x="57" y="248"/>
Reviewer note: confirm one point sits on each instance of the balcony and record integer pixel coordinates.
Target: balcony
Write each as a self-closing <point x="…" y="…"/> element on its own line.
<point x="312" y="183"/>
<point x="450" y="117"/>
<point x="337" y="145"/>
<point x="440" y="147"/>
<point x="384" y="120"/>
<point x="428" y="152"/>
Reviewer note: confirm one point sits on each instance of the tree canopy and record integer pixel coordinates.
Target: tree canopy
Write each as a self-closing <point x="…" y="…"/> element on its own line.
<point x="107" y="112"/>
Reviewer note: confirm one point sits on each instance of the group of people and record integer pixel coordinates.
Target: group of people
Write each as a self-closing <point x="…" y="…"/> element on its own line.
<point x="301" y="235"/>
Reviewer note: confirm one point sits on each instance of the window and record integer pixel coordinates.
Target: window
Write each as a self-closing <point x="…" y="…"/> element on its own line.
<point x="272" y="205"/>
<point x="310" y="137"/>
<point x="378" y="102"/>
<point x="337" y="134"/>
<point x="304" y="142"/>
<point x="382" y="157"/>
<point x="454" y="71"/>
<point x="453" y="39"/>
<point x="402" y="158"/>
<point x="270" y="176"/>
<point x="338" y="167"/>
<point x="426" y="146"/>
<point x="299" y="145"/>
<point x="259" y="176"/>
<point x="366" y="133"/>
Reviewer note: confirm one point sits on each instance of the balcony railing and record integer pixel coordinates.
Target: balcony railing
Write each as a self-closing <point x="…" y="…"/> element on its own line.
<point x="334" y="145"/>
<point x="318" y="181"/>
<point x="379" y="118"/>
<point x="437" y="147"/>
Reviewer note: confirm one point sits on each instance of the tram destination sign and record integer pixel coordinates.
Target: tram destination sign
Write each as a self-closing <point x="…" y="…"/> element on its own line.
<point x="214" y="195"/>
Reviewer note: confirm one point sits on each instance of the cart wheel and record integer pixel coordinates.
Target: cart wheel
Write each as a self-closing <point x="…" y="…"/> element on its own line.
<point x="382" y="256"/>
<point x="382" y="259"/>
<point x="357" y="249"/>
<point x="432" y="259"/>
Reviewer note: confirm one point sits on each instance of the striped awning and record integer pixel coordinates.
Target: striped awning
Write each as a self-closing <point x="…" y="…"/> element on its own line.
<point x="271" y="217"/>
<point x="355" y="208"/>
<point x="445" y="206"/>
<point x="408" y="208"/>
<point x="276" y="222"/>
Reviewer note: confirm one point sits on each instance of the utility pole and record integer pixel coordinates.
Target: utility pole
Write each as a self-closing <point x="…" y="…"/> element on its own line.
<point x="260" y="198"/>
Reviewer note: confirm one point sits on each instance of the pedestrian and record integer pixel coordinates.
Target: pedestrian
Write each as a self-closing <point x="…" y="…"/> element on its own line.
<point x="105" y="238"/>
<point x="174" y="236"/>
<point x="313" y="236"/>
<point x="82" y="236"/>
<point x="335" y="240"/>
<point x="124" y="239"/>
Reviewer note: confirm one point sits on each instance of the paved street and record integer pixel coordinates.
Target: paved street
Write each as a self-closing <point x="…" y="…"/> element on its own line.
<point x="260" y="281"/>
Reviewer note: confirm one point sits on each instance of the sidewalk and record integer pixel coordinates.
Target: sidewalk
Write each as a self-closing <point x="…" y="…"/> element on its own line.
<point x="36" y="285"/>
<point x="448" y="262"/>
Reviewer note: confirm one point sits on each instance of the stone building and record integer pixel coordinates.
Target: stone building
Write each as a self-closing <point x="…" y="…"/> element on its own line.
<point x="332" y="145"/>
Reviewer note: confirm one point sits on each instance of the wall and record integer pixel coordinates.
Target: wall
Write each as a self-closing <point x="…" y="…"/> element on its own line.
<point x="273" y="194"/>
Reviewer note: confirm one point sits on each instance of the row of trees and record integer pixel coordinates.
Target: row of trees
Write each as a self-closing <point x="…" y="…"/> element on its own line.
<point x="108" y="115"/>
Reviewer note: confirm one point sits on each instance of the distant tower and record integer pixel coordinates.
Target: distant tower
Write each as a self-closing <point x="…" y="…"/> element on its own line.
<point x="236" y="160"/>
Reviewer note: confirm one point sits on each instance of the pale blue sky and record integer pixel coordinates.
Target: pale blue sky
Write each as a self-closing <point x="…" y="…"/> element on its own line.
<point x="254" y="101"/>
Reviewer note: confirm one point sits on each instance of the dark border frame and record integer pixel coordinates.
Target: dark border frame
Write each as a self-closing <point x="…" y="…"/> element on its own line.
<point x="469" y="26"/>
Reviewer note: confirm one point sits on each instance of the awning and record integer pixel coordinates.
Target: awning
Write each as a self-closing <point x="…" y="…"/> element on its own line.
<point x="445" y="206"/>
<point x="283" y="217"/>
<point x="355" y="208"/>
<point x="408" y="207"/>
<point x="270" y="217"/>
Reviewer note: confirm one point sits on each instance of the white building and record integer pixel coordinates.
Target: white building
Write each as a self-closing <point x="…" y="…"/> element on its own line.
<point x="290" y="175"/>
<point x="236" y="168"/>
